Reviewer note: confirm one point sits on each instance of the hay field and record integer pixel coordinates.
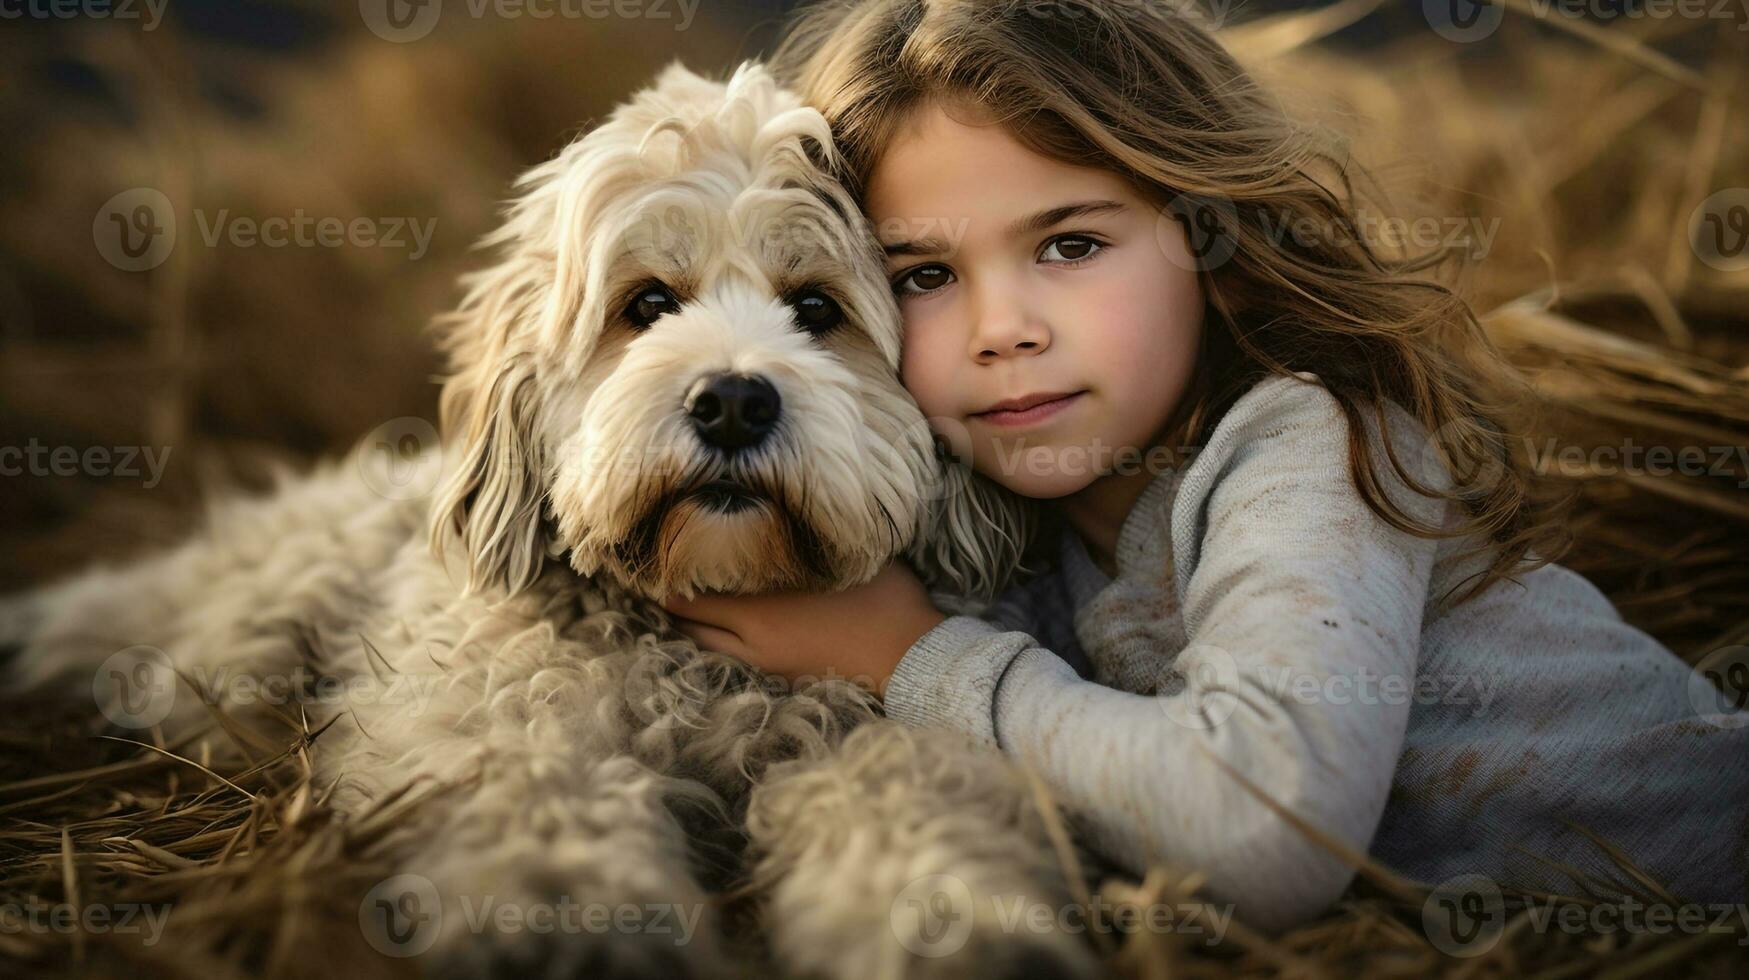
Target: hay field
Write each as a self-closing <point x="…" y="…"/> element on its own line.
<point x="1584" y="153"/>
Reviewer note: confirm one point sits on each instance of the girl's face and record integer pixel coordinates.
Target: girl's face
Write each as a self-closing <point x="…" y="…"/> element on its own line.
<point x="1019" y="276"/>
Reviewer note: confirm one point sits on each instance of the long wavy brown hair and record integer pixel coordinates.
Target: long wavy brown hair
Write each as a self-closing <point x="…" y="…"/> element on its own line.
<point x="1144" y="89"/>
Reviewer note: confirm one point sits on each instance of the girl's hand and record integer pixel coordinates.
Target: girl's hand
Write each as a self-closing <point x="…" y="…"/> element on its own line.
<point x="860" y="633"/>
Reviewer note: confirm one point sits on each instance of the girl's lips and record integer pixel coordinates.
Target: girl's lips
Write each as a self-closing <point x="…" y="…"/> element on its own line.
<point x="1037" y="413"/>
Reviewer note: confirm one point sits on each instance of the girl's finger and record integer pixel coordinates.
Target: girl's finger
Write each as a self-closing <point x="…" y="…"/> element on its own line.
<point x="709" y="637"/>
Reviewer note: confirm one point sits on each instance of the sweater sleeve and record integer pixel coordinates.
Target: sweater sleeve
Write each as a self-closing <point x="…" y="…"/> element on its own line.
<point x="1299" y="605"/>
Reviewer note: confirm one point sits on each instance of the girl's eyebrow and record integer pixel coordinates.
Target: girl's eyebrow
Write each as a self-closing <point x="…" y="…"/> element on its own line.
<point x="1032" y="223"/>
<point x="1045" y="219"/>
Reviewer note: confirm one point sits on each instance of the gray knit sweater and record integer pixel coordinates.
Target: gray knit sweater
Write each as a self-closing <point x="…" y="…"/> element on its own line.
<point x="1263" y="616"/>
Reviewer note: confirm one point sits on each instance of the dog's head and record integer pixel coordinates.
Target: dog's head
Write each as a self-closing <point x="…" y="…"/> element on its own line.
<point x="684" y="371"/>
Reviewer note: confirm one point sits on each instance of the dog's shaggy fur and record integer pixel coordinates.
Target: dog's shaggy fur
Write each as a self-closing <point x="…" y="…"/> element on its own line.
<point x="496" y="637"/>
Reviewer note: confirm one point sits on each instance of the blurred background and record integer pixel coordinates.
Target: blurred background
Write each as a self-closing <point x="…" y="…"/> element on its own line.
<point x="226" y="224"/>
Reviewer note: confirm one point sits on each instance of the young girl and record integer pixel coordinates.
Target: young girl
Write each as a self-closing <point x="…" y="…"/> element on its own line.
<point x="1285" y="551"/>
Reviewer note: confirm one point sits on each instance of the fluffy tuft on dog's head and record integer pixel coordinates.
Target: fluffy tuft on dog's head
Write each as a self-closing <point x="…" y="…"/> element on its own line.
<point x="683" y="373"/>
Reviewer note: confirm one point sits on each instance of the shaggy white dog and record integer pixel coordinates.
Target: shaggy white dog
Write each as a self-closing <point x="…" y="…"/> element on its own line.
<point x="681" y="375"/>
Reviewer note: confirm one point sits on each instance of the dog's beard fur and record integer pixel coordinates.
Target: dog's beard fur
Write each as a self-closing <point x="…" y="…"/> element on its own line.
<point x="572" y="422"/>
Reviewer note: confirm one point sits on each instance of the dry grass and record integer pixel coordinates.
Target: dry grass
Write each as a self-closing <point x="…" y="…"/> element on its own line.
<point x="1590" y="148"/>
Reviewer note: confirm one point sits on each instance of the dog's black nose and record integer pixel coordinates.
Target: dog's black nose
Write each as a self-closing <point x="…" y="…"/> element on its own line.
<point x="735" y="411"/>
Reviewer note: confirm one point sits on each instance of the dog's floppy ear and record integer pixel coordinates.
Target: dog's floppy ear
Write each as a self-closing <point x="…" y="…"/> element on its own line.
<point x="492" y="493"/>
<point x="539" y="298"/>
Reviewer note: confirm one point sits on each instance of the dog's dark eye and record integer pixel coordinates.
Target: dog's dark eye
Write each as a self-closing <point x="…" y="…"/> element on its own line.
<point x="816" y="311"/>
<point x="651" y="303"/>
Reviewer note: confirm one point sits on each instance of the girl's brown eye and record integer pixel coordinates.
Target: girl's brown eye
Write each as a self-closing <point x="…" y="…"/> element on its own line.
<point x="925" y="279"/>
<point x="1070" y="248"/>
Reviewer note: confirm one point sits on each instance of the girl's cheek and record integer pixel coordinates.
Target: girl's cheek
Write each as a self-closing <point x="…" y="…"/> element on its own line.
<point x="932" y="393"/>
<point x="925" y="372"/>
<point x="1152" y="349"/>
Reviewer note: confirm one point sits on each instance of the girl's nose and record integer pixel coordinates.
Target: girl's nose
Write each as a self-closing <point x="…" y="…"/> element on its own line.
<point x="1004" y="328"/>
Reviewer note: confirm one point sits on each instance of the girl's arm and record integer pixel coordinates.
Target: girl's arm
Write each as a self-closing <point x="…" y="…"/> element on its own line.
<point x="1297" y="602"/>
